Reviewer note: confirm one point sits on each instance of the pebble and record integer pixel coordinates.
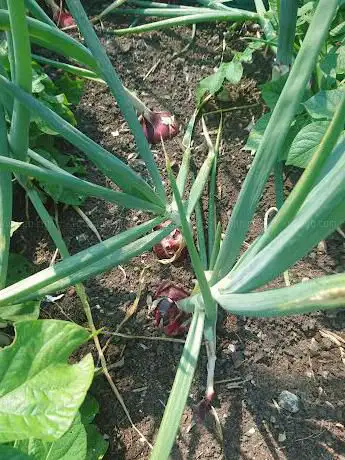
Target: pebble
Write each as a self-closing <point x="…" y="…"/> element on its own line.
<point x="314" y="347"/>
<point x="282" y="437"/>
<point x="289" y="401"/>
<point x="250" y="432"/>
<point x="309" y="325"/>
<point x="81" y="238"/>
<point x="305" y="279"/>
<point x="322" y="247"/>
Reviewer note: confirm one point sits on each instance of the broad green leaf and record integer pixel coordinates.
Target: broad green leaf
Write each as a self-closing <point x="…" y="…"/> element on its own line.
<point x="257" y="133"/>
<point x="328" y="72"/>
<point x="247" y="54"/>
<point x="61" y="194"/>
<point x="10" y="453"/>
<point x="20" y="312"/>
<point x="210" y="84"/>
<point x="72" y="87"/>
<point x="19" y="268"/>
<point x="305" y="13"/>
<point x="339" y="29"/>
<point x="70" y="163"/>
<point x="340" y="67"/>
<point x="89" y="409"/>
<point x="233" y="71"/>
<point x="323" y="104"/>
<point x="96" y="445"/>
<point x="273" y="6"/>
<point x="82" y="441"/>
<point x="71" y="446"/>
<point x="37" y="85"/>
<point x="305" y="144"/>
<point x="14" y="226"/>
<point x="271" y="90"/>
<point x="40" y="393"/>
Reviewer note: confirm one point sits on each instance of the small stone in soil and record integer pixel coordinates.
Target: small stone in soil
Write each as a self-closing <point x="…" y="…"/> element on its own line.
<point x="250" y="432"/>
<point x="282" y="437"/>
<point x="309" y="325"/>
<point x="313" y="347"/>
<point x="289" y="401"/>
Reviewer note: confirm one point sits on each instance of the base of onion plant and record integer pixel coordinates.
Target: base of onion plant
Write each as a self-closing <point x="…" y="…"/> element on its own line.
<point x="61" y="16"/>
<point x="156" y="125"/>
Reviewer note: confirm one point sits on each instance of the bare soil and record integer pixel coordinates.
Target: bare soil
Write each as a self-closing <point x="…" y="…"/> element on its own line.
<point x="267" y="355"/>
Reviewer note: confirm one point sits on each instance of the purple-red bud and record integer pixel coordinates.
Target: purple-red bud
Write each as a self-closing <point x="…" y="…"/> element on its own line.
<point x="167" y="315"/>
<point x="159" y="125"/>
<point x="63" y="19"/>
<point x="170" y="246"/>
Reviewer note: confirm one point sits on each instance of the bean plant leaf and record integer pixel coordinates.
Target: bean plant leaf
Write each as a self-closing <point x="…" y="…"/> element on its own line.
<point x="233" y="72"/>
<point x="19" y="268"/>
<point x="11" y="453"/>
<point x="271" y="91"/>
<point x="81" y="442"/>
<point x="20" y="312"/>
<point x="68" y="162"/>
<point x="71" y="446"/>
<point x="340" y="66"/>
<point x="257" y="132"/>
<point x="72" y="87"/>
<point x="89" y="409"/>
<point x="328" y="65"/>
<point x="210" y="84"/>
<point x="40" y="393"/>
<point x="273" y="5"/>
<point x="323" y="104"/>
<point x="339" y="29"/>
<point x="96" y="445"/>
<point x="305" y="144"/>
<point x="305" y="13"/>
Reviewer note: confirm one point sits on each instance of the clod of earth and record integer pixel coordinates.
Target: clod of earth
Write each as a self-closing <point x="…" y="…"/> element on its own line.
<point x="289" y="401"/>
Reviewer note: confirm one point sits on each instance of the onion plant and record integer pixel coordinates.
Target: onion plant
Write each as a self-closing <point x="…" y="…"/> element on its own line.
<point x="313" y="211"/>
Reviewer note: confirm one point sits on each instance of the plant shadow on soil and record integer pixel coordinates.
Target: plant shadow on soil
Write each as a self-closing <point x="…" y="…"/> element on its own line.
<point x="268" y="355"/>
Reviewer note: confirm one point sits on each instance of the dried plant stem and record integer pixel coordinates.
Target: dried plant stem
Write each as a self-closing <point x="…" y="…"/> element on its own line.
<point x="84" y="300"/>
<point x="141" y="337"/>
